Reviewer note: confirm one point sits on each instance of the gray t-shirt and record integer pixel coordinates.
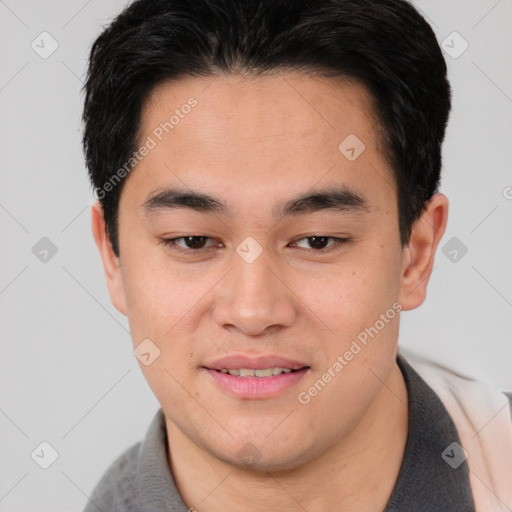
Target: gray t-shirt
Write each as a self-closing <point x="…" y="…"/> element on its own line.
<point x="140" y="480"/>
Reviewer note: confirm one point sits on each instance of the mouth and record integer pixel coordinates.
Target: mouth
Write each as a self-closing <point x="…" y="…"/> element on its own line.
<point x="260" y="373"/>
<point x="255" y="378"/>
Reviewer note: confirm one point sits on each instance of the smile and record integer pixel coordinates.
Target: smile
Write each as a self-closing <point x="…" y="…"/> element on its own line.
<point x="261" y="383"/>
<point x="249" y="372"/>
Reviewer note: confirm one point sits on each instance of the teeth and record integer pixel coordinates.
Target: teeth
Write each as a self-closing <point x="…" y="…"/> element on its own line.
<point x="263" y="373"/>
<point x="249" y="372"/>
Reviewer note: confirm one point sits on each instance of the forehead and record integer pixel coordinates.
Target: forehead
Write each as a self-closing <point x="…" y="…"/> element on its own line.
<point x="258" y="135"/>
<point x="264" y="106"/>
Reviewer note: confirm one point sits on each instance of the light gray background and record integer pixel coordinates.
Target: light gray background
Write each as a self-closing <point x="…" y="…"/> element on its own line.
<point x="68" y="376"/>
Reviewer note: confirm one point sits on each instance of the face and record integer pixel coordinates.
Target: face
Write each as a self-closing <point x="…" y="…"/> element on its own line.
<point x="251" y="276"/>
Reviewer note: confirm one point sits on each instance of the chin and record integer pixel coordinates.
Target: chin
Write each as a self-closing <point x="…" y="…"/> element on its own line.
<point x="261" y="458"/>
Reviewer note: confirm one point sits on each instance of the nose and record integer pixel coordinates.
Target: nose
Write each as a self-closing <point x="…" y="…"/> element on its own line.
<point x="253" y="298"/>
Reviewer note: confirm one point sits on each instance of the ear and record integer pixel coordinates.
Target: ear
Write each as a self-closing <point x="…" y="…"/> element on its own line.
<point x="111" y="263"/>
<point x="418" y="256"/>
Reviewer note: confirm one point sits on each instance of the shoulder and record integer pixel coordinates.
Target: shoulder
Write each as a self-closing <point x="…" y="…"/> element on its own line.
<point x="470" y="393"/>
<point x="483" y="417"/>
<point x="117" y="489"/>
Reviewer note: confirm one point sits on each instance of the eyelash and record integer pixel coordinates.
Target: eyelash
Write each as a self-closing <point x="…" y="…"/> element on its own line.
<point x="171" y="242"/>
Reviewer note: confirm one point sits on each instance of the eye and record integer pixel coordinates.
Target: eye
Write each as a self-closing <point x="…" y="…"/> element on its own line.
<point x="319" y="242"/>
<point x="192" y="243"/>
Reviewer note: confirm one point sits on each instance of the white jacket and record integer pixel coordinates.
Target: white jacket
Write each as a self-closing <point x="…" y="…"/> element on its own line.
<point x="482" y="416"/>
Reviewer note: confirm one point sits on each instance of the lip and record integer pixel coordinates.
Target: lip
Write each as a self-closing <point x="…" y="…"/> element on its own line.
<point x="256" y="363"/>
<point x="255" y="387"/>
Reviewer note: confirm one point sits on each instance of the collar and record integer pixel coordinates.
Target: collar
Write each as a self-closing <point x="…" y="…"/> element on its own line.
<point x="426" y="482"/>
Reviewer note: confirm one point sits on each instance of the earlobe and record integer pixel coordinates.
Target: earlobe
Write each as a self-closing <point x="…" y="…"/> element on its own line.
<point x="418" y="256"/>
<point x="111" y="263"/>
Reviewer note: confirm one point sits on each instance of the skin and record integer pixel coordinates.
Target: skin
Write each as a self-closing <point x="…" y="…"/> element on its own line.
<point x="255" y="142"/>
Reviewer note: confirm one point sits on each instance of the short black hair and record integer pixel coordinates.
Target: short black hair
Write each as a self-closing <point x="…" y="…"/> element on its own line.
<point x="385" y="45"/>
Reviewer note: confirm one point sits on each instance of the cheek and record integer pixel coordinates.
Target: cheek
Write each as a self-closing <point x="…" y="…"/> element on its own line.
<point x="159" y="294"/>
<point x="359" y="346"/>
<point x="353" y="295"/>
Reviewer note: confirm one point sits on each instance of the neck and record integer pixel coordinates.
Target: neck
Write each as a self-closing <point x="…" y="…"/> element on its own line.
<point x="358" y="473"/>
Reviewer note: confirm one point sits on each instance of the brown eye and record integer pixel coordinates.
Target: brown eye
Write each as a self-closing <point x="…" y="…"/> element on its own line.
<point x="191" y="243"/>
<point x="319" y="242"/>
<point x="194" y="242"/>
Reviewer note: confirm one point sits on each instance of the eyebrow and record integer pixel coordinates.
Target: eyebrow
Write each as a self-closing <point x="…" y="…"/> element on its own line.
<point x="337" y="198"/>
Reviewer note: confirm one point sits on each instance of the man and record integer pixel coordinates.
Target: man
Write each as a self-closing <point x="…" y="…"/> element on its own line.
<point x="267" y="175"/>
